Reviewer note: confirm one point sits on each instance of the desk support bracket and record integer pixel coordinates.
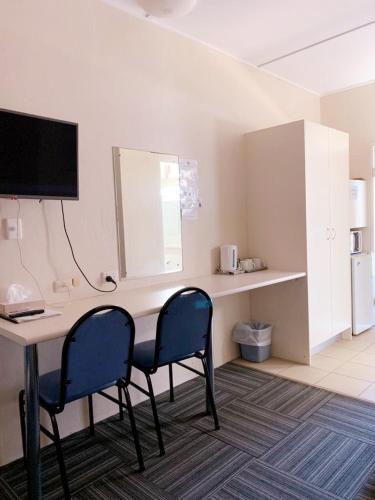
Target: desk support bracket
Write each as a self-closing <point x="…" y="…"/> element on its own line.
<point x="32" y="422"/>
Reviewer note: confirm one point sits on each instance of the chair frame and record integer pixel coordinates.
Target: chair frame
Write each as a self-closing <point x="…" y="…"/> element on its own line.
<point x="122" y="386"/>
<point x="202" y="356"/>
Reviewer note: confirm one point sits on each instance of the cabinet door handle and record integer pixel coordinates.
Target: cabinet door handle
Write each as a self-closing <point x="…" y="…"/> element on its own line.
<point x="333" y="230"/>
<point x="328" y="233"/>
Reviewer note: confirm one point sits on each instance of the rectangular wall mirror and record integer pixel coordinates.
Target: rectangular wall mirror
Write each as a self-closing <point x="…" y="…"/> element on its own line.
<point x="147" y="187"/>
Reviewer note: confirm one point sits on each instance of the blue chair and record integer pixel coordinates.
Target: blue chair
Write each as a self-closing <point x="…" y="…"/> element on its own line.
<point x="183" y="331"/>
<point x="97" y="354"/>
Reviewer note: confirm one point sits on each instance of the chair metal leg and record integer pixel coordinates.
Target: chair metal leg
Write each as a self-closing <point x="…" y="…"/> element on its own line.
<point x="21" y="405"/>
<point x="91" y="415"/>
<point x="171" y="391"/>
<point x="134" y="430"/>
<point x="211" y="380"/>
<point x="121" y="409"/>
<point x="210" y="394"/>
<point x="155" y="413"/>
<point x="60" y="457"/>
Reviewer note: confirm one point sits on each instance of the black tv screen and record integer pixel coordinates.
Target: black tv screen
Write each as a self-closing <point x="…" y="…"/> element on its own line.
<point x="38" y="157"/>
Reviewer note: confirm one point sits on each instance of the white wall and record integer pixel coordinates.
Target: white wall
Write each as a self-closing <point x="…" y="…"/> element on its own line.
<point x="127" y="83"/>
<point x="353" y="111"/>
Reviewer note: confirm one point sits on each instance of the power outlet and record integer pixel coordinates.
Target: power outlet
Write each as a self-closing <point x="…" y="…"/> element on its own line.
<point x="10" y="228"/>
<point x="113" y="274"/>
<point x="60" y="286"/>
<point x="76" y="281"/>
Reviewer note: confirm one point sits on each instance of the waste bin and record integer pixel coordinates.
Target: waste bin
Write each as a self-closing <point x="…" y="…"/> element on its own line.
<point x="254" y="338"/>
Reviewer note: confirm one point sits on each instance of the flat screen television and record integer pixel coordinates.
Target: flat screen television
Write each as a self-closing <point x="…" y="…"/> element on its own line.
<point x="38" y="157"/>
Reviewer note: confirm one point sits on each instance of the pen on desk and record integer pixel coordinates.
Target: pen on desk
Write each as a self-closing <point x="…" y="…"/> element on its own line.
<point x="22" y="314"/>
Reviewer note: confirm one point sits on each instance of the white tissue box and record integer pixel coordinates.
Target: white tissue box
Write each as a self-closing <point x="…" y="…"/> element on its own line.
<point x="7" y="308"/>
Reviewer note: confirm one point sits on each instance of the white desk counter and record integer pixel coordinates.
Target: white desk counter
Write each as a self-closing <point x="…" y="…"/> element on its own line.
<point x="139" y="302"/>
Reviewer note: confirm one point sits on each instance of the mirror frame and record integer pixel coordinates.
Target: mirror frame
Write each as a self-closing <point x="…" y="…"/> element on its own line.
<point x="120" y="216"/>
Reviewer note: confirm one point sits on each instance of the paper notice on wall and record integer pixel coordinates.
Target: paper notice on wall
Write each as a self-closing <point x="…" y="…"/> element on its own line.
<point x="189" y="188"/>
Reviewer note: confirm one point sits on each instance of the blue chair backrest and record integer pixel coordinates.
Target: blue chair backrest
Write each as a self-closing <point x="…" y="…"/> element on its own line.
<point x="184" y="325"/>
<point x="97" y="351"/>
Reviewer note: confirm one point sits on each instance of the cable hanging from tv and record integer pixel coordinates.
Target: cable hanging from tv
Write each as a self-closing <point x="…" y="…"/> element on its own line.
<point x="108" y="278"/>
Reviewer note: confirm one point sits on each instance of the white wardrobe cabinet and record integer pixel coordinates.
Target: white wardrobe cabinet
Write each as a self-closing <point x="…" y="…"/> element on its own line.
<point x="340" y="240"/>
<point x="298" y="212"/>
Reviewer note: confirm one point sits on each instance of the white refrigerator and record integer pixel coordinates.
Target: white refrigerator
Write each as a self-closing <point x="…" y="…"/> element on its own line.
<point x="362" y="297"/>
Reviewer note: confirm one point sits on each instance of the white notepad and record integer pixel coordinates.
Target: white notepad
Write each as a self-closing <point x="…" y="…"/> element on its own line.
<point x="48" y="313"/>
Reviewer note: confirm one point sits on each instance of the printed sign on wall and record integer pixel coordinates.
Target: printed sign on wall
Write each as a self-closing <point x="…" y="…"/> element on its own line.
<point x="189" y="187"/>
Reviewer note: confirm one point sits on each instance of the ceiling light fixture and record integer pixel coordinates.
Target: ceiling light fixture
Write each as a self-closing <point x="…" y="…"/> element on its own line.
<point x="167" y="8"/>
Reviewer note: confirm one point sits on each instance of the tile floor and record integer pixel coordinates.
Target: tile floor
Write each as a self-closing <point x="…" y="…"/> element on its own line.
<point x="347" y="367"/>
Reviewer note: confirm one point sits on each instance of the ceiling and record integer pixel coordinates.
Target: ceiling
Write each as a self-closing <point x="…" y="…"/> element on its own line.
<point x="260" y="31"/>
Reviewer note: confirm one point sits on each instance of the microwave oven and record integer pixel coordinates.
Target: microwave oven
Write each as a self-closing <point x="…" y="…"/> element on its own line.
<point x="356" y="242"/>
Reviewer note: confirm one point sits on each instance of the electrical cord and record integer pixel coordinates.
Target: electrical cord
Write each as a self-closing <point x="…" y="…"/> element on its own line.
<point x="20" y="252"/>
<point x="108" y="278"/>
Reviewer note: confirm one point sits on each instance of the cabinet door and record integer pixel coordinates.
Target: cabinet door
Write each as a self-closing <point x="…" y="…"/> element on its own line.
<point x="340" y="242"/>
<point x="318" y="232"/>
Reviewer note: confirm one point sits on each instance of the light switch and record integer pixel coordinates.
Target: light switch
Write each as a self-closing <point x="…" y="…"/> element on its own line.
<point x="11" y="228"/>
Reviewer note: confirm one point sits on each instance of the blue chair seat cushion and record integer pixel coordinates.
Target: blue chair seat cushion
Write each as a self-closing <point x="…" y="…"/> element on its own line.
<point x="144" y="354"/>
<point x="50" y="389"/>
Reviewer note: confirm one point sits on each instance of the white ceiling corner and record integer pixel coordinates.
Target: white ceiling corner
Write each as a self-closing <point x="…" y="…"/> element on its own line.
<point x="258" y="31"/>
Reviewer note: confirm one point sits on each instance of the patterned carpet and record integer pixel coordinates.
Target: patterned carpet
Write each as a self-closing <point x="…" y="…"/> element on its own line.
<point x="278" y="440"/>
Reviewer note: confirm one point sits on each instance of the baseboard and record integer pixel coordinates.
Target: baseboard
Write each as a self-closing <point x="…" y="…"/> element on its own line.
<point x="326" y="343"/>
